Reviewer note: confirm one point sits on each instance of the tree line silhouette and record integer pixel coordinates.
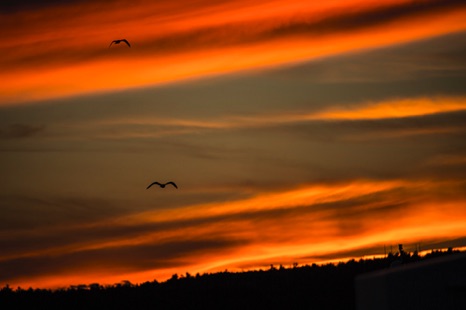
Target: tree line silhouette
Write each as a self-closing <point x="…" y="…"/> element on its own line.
<point x="327" y="286"/>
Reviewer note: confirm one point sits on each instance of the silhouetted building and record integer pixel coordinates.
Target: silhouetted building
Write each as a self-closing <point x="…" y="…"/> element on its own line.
<point x="438" y="283"/>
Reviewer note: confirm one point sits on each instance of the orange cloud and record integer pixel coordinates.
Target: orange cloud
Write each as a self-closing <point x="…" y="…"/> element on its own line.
<point x="398" y="108"/>
<point x="45" y="57"/>
<point x="395" y="109"/>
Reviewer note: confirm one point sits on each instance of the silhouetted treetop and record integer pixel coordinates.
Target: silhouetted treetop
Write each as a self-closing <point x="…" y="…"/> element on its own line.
<point x="327" y="286"/>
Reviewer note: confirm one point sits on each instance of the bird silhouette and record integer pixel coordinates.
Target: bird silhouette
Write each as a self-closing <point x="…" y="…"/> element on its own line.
<point x="119" y="41"/>
<point x="162" y="185"/>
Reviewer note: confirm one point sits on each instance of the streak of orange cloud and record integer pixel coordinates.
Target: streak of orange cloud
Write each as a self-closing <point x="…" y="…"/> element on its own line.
<point x="74" y="59"/>
<point x="305" y="196"/>
<point x="398" y="108"/>
<point x="442" y="220"/>
<point x="395" y="109"/>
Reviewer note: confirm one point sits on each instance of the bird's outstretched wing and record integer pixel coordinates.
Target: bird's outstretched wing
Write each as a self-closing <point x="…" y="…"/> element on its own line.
<point x="152" y="184"/>
<point x="172" y="183"/>
<point x="126" y="41"/>
<point x="111" y="43"/>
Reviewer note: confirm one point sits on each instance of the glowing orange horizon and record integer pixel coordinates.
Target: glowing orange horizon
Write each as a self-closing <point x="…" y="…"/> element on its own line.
<point x="309" y="219"/>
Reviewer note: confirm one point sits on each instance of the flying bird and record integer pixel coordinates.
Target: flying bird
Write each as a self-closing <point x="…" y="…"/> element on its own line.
<point x="119" y="41"/>
<point x="162" y="185"/>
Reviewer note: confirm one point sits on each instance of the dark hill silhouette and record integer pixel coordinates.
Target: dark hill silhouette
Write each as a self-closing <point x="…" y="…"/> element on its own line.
<point x="329" y="286"/>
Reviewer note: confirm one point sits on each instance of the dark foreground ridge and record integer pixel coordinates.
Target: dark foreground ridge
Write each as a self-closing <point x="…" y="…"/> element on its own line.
<point x="329" y="286"/>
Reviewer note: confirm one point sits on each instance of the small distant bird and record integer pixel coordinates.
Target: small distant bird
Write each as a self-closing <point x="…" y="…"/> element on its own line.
<point x="119" y="41"/>
<point x="162" y="185"/>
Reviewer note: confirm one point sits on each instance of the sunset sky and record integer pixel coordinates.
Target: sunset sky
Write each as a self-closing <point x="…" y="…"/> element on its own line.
<point x="297" y="131"/>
